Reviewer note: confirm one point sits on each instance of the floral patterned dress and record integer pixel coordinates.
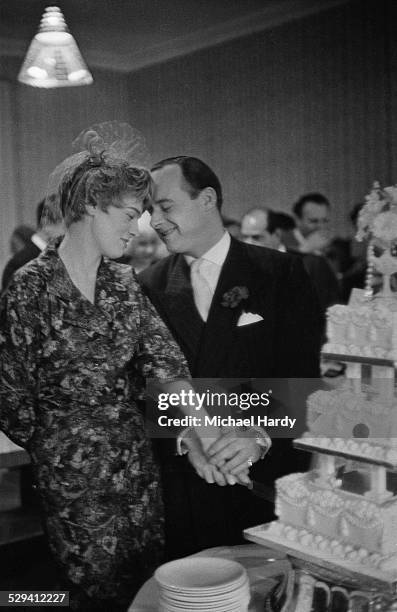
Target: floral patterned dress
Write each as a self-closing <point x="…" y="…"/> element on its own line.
<point x="69" y="374"/>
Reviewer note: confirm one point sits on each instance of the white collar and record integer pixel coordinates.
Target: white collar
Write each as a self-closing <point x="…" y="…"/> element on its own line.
<point x="217" y="253"/>
<point x="38" y="241"/>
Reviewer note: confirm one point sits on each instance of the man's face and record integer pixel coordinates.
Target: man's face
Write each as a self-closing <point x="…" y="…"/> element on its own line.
<point x="253" y="230"/>
<point x="180" y="220"/>
<point x="315" y="217"/>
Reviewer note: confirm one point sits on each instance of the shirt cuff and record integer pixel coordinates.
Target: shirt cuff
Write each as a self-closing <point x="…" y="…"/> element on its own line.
<point x="181" y="448"/>
<point x="263" y="440"/>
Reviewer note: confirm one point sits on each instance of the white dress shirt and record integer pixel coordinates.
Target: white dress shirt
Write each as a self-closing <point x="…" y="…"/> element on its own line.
<point x="205" y="276"/>
<point x="216" y="255"/>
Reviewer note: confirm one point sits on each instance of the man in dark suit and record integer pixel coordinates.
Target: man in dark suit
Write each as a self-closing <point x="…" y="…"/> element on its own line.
<point x="237" y="311"/>
<point x="48" y="226"/>
<point x="265" y="227"/>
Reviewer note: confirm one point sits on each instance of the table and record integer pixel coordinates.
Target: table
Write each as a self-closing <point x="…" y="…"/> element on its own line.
<point x="16" y="522"/>
<point x="263" y="565"/>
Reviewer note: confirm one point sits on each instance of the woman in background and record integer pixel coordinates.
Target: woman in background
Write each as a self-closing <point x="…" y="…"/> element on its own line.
<point x="76" y="333"/>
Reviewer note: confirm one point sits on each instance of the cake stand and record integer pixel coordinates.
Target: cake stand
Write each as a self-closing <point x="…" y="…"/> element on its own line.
<point x="322" y="583"/>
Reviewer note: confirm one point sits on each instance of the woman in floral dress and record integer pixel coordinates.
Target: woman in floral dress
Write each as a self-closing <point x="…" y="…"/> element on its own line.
<point x="76" y="334"/>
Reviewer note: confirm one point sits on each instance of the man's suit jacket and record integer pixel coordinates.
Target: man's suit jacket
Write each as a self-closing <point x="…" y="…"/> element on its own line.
<point x="324" y="282"/>
<point x="285" y="344"/>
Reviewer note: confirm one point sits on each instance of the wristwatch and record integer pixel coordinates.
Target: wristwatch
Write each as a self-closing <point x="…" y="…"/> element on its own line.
<point x="263" y="440"/>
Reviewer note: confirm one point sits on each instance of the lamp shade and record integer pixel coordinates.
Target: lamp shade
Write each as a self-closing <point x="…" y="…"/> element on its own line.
<point x="53" y="58"/>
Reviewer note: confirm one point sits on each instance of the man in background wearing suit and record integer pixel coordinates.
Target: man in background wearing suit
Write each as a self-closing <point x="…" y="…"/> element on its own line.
<point x="275" y="230"/>
<point x="206" y="290"/>
<point x="48" y="226"/>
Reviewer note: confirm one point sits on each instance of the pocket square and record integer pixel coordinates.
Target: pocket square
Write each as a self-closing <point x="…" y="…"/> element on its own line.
<point x="246" y="318"/>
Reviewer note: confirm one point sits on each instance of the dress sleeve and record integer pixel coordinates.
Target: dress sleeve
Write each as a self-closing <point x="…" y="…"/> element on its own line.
<point x="18" y="365"/>
<point x="159" y="356"/>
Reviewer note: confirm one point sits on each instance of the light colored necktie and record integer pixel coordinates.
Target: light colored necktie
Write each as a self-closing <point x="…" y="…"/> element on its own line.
<point x="202" y="292"/>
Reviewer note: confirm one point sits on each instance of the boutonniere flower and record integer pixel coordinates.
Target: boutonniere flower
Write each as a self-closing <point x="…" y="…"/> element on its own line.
<point x="233" y="297"/>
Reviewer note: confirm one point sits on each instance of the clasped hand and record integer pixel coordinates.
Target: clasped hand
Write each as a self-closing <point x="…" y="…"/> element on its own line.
<point x="227" y="459"/>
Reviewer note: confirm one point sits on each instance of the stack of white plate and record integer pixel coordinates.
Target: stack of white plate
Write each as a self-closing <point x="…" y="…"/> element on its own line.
<point x="203" y="583"/>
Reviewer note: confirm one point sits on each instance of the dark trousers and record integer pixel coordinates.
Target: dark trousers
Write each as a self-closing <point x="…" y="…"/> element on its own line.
<point x="199" y="515"/>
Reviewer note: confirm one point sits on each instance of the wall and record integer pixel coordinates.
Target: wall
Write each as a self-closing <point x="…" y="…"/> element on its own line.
<point x="8" y="213"/>
<point x="307" y="105"/>
<point x="310" y="105"/>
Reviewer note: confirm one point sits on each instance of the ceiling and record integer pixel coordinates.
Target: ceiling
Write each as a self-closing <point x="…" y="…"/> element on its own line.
<point x="127" y="35"/>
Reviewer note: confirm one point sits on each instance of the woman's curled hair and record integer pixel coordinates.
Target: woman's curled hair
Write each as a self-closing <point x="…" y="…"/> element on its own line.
<point x="98" y="181"/>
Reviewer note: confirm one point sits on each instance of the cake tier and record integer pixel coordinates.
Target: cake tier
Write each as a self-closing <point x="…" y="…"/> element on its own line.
<point x="340" y="516"/>
<point x="368" y="330"/>
<point x="357" y="424"/>
<point x="328" y="555"/>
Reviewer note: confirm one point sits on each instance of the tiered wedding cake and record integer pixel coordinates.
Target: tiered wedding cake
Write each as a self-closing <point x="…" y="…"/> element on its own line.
<point x="344" y="510"/>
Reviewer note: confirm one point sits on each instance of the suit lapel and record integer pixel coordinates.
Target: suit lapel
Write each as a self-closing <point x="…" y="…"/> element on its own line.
<point x="176" y="304"/>
<point x="178" y="296"/>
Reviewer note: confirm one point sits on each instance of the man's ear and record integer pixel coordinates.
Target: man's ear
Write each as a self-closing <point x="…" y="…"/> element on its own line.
<point x="208" y="197"/>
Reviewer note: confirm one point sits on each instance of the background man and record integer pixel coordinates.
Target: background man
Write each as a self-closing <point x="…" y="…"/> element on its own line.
<point x="312" y="216"/>
<point x="193" y="289"/>
<point x="264" y="227"/>
<point x="254" y="228"/>
<point x="49" y="226"/>
<point x="20" y="237"/>
<point x="277" y="231"/>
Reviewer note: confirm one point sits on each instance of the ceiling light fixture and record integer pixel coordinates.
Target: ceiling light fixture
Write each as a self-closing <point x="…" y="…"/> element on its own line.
<point x="53" y="58"/>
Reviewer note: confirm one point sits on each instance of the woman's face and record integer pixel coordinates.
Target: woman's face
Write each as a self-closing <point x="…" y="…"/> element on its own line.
<point x="113" y="228"/>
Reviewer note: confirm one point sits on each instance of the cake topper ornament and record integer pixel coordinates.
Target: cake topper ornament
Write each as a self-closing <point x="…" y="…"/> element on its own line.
<point x="377" y="223"/>
<point x="378" y="217"/>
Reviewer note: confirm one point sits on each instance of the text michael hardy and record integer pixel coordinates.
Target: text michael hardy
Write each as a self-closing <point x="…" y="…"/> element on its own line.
<point x="229" y="421"/>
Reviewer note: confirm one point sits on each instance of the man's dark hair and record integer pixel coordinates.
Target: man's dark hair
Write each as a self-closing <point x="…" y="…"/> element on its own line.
<point x="279" y="220"/>
<point x="197" y="175"/>
<point x="317" y="198"/>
